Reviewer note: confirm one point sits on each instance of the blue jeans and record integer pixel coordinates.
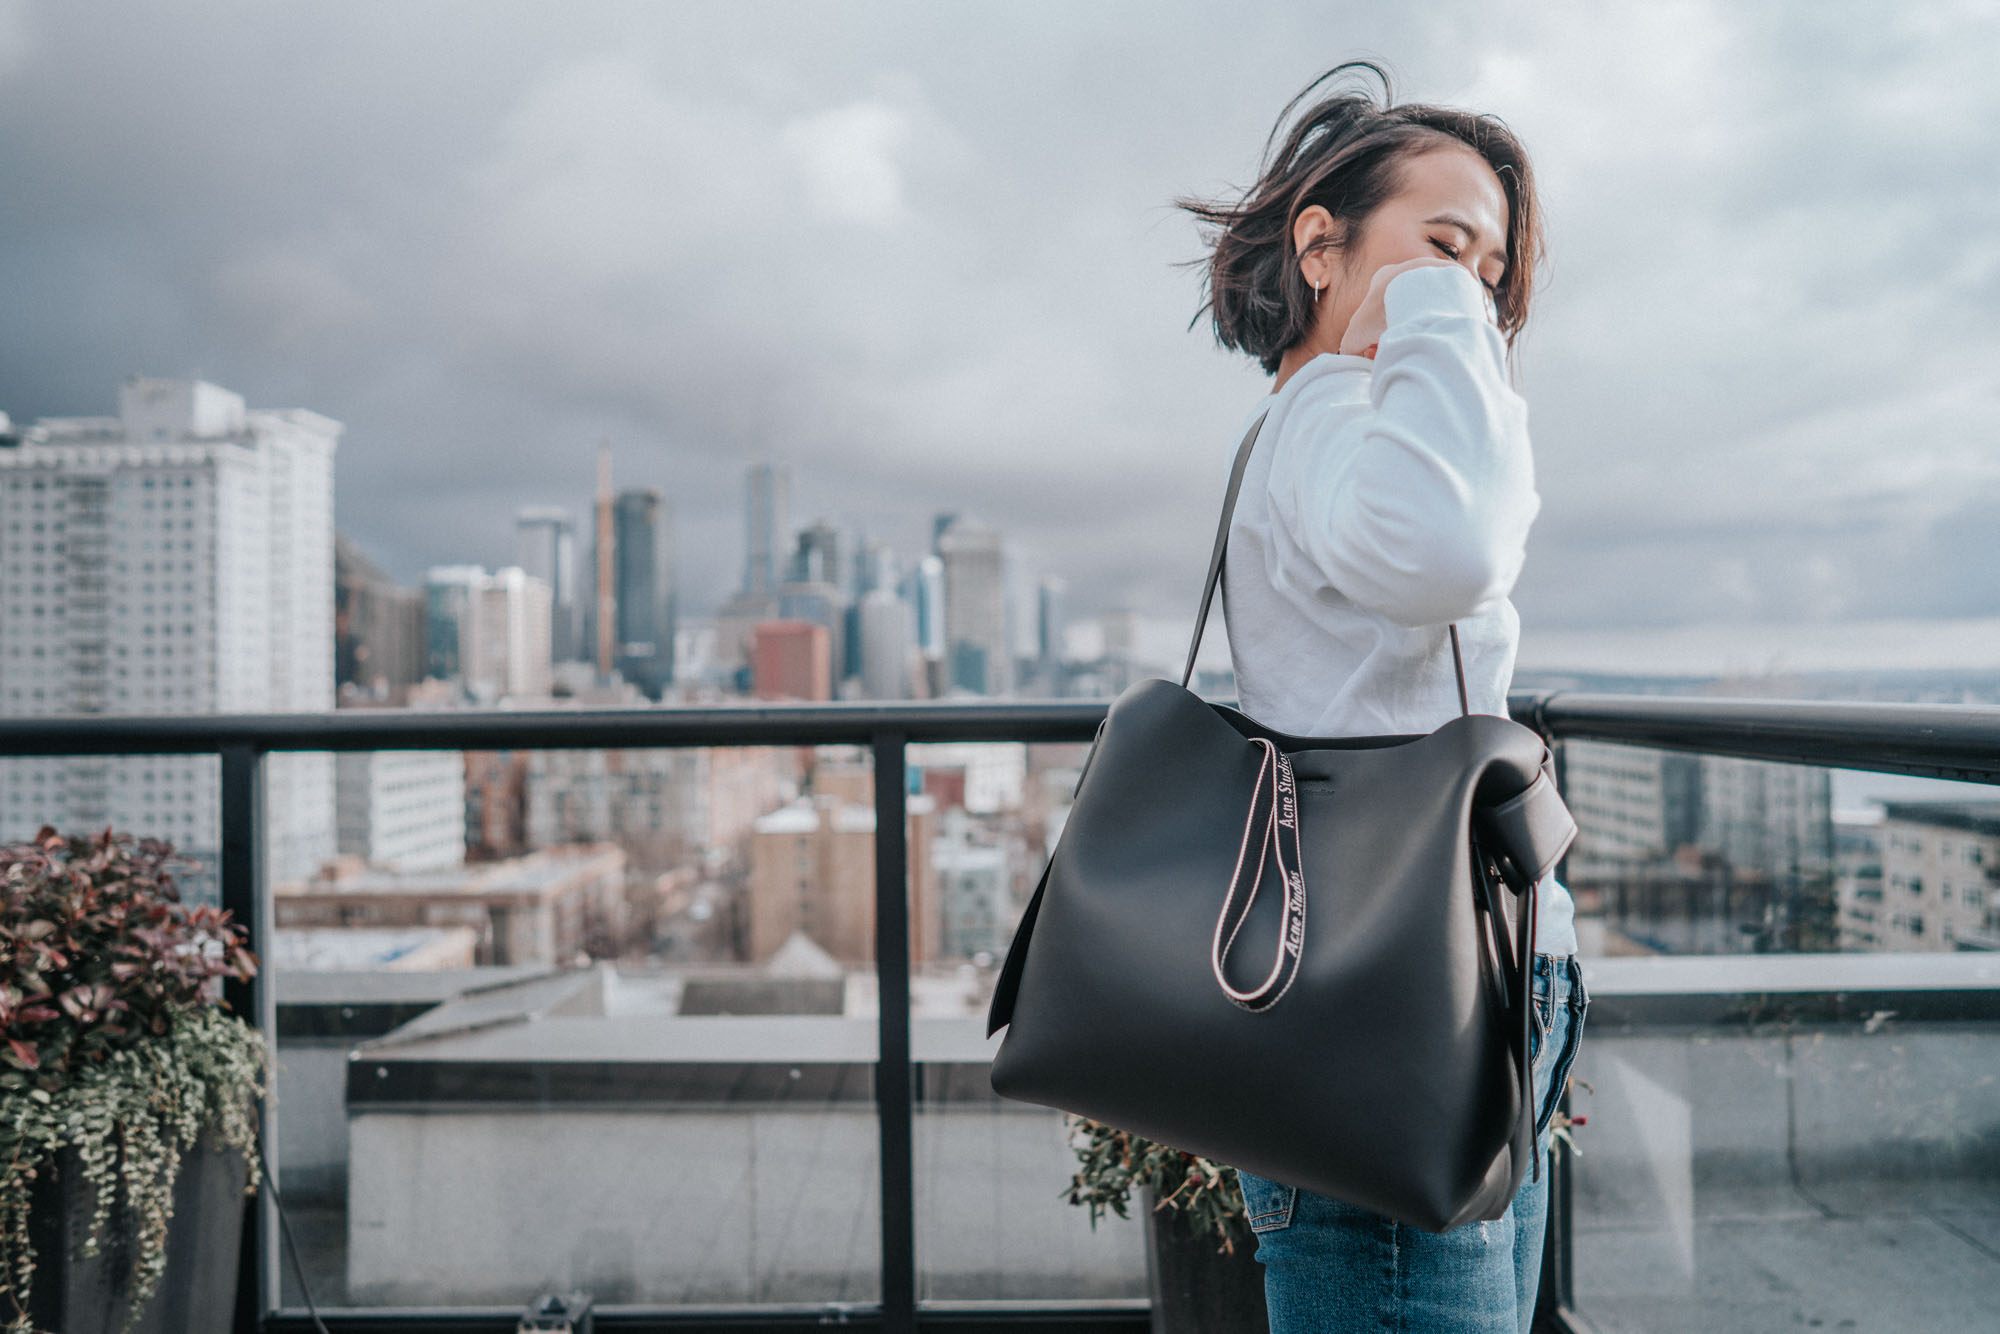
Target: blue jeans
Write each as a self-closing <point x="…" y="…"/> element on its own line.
<point x="1330" y="1266"/>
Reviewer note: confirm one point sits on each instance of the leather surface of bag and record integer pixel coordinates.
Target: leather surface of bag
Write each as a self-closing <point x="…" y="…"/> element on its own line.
<point x="1307" y="957"/>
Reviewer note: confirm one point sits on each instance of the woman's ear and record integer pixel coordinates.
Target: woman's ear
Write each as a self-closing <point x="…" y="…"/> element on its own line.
<point x="1310" y="229"/>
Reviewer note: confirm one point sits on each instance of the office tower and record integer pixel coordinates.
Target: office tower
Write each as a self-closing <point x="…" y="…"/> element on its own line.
<point x="451" y="598"/>
<point x="378" y="626"/>
<point x="489" y="632"/>
<point x="886" y="644"/>
<point x="876" y="568"/>
<point x="545" y="546"/>
<point x="816" y="559"/>
<point x="604" y="619"/>
<point x="767" y="527"/>
<point x="176" y="558"/>
<point x="927" y="598"/>
<point x="977" y="639"/>
<point x="644" y="544"/>
<point x="1051" y="620"/>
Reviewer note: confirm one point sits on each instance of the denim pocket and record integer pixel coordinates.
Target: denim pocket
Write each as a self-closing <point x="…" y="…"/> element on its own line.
<point x="1268" y="1204"/>
<point x="1577" y="1004"/>
<point x="1545" y="1013"/>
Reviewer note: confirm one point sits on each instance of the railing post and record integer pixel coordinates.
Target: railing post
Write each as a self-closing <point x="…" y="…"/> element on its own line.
<point x="893" y="1087"/>
<point x="1557" y="1294"/>
<point x="244" y="896"/>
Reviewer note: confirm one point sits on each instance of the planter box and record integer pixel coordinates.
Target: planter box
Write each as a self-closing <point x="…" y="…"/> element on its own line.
<point x="1195" y="1288"/>
<point x="197" y="1294"/>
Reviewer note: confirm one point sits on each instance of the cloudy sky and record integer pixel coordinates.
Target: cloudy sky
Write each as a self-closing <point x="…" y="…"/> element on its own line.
<point x="926" y="255"/>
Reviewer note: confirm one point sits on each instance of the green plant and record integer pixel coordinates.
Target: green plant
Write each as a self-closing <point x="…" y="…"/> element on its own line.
<point x="115" y="1043"/>
<point x="1203" y="1195"/>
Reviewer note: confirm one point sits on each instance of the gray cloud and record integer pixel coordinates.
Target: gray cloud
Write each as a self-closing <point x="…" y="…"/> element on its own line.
<point x="927" y="257"/>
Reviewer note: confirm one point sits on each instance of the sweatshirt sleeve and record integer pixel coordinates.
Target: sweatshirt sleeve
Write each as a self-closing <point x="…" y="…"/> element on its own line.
<point x="1417" y="507"/>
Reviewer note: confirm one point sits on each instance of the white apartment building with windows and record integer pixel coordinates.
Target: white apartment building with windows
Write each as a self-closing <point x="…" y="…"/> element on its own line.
<point x="1939" y="882"/>
<point x="490" y="632"/>
<point x="176" y="558"/>
<point x="402" y="810"/>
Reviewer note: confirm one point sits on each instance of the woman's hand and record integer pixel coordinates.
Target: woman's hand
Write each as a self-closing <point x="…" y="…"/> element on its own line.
<point x="1364" y="331"/>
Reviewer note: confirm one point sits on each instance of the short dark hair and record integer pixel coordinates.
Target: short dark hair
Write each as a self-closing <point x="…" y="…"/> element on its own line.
<point x="1345" y="153"/>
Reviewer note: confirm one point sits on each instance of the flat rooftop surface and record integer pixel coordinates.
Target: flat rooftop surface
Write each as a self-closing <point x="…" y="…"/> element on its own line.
<point x="1912" y="1257"/>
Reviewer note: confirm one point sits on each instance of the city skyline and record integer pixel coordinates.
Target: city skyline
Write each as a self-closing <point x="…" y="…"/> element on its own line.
<point x="1757" y="370"/>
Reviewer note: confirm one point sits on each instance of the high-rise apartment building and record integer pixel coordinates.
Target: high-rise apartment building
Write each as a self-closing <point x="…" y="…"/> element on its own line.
<point x="925" y="591"/>
<point x="1770" y="819"/>
<point x="1632" y="805"/>
<point x="645" y="589"/>
<point x="978" y="638"/>
<point x="1938" y="880"/>
<point x="886" y="645"/>
<point x="176" y="558"/>
<point x="489" y="632"/>
<point x="545" y="546"/>
<point x="403" y="810"/>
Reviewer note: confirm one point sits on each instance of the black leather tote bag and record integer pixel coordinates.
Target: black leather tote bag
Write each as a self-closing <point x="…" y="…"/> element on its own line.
<point x="1304" y="956"/>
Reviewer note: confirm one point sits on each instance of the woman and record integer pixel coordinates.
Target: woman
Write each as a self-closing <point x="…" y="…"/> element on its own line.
<point x="1380" y="269"/>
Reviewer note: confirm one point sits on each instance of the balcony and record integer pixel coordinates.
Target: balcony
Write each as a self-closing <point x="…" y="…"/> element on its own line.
<point x="1770" y="1140"/>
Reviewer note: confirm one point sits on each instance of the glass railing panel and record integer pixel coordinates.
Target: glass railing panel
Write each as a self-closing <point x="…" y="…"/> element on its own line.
<point x="622" y="1041"/>
<point x="1699" y="854"/>
<point x="992" y="1221"/>
<point x="1761" y="1149"/>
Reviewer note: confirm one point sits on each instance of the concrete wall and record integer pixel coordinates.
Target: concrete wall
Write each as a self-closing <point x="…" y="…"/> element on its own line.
<point x="311" y="1084"/>
<point x="485" y="1204"/>
<point x="1821" y="1104"/>
<point x="489" y="1206"/>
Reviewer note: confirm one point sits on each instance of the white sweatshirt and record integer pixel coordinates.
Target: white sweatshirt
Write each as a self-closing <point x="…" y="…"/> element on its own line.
<point x="1384" y="501"/>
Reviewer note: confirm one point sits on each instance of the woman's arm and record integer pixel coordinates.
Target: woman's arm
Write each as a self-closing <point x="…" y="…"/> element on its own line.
<point x="1418" y="507"/>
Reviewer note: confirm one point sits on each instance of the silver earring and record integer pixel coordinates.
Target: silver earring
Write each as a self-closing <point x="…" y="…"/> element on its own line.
<point x="1315" y="293"/>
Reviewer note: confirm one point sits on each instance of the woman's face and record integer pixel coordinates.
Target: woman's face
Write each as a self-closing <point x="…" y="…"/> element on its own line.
<point x="1450" y="207"/>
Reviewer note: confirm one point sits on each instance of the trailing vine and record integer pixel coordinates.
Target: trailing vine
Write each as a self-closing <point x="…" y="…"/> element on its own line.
<point x="116" y="1046"/>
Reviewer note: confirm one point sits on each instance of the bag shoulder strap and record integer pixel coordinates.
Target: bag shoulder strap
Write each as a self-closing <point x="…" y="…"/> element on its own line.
<point x="1215" y="560"/>
<point x="1222" y="540"/>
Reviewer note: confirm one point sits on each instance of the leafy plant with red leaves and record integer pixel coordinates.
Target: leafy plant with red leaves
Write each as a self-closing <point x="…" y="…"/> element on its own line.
<point x="98" y="952"/>
<point x="114" y="1045"/>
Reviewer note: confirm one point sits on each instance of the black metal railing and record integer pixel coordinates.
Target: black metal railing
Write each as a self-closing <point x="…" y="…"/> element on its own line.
<point x="1934" y="741"/>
